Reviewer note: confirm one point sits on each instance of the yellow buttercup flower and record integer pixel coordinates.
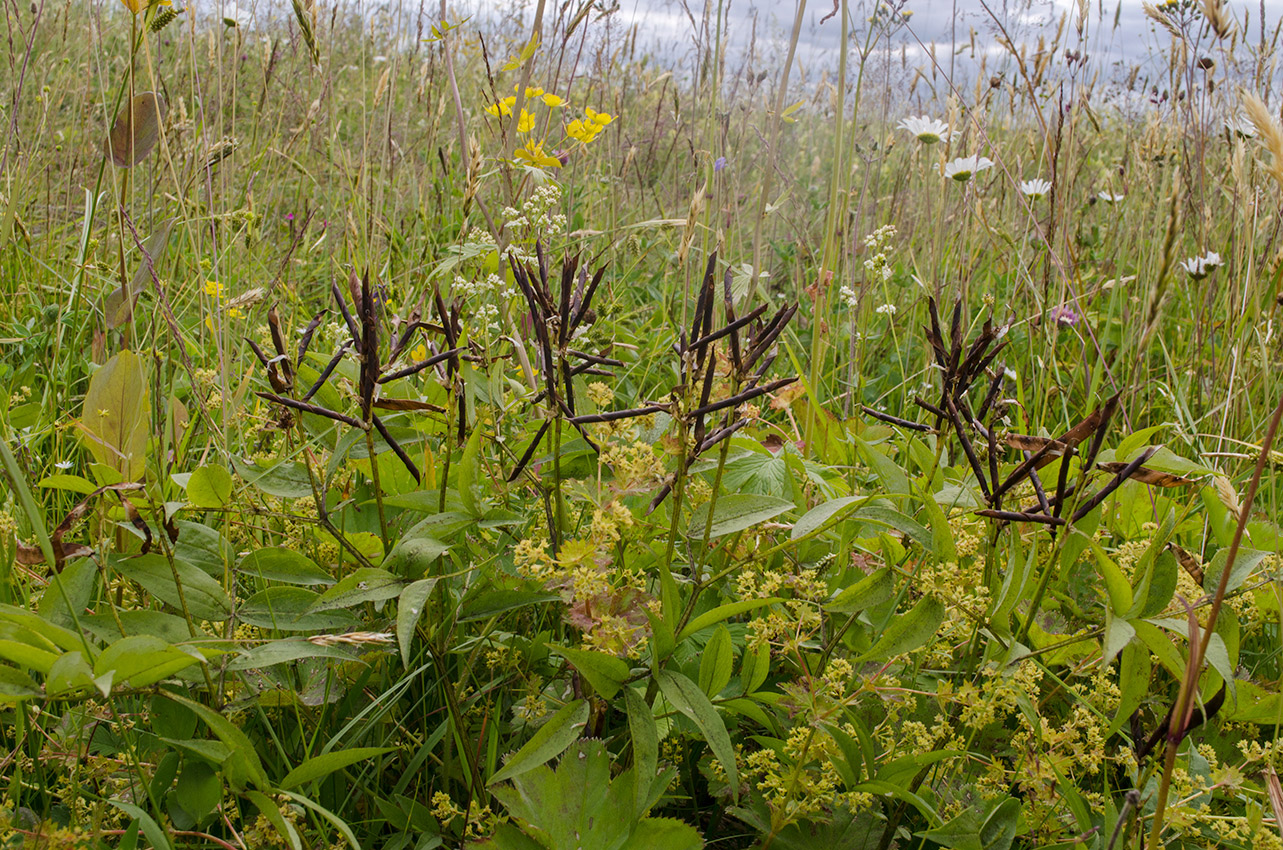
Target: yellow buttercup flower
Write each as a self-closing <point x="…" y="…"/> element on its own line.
<point x="526" y="122"/>
<point x="552" y="101"/>
<point x="419" y="353"/>
<point x="601" y="119"/>
<point x="531" y="91"/>
<point x="503" y="107"/>
<point x="533" y="153"/>
<point x="581" y="131"/>
<point x="136" y="6"/>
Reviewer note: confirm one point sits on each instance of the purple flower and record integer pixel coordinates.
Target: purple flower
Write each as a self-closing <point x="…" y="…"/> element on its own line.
<point x="289" y="216"/>
<point x="719" y="163"/>
<point x="1063" y="315"/>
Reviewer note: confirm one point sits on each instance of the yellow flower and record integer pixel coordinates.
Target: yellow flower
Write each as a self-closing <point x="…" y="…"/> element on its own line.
<point x="136" y="6"/>
<point x="526" y="122"/>
<point x="601" y="119"/>
<point x="213" y="289"/>
<point x="531" y="92"/>
<point x="582" y="132"/>
<point x="503" y="107"/>
<point x="533" y="153"/>
<point x="419" y="353"/>
<point x="552" y="101"/>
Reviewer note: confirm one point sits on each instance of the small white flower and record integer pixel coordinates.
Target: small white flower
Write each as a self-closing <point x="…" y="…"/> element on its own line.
<point x="886" y="309"/>
<point x="1036" y="188"/>
<point x="63" y="464"/>
<point x="1110" y="197"/>
<point x="924" y="129"/>
<point x="1200" y="267"/>
<point x="964" y="168"/>
<point x="1240" y="126"/>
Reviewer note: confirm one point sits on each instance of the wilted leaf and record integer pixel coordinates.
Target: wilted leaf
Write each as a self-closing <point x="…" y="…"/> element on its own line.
<point x="114" y="417"/>
<point x="136" y="131"/>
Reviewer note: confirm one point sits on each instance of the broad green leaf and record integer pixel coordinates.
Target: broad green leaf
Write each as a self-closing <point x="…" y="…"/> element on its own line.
<point x="490" y="603"/>
<point x="724" y="612"/>
<point x="72" y="483"/>
<point x="716" y="663"/>
<point x="409" y="609"/>
<point x="412" y="557"/>
<point x="284" y="480"/>
<point x="469" y="471"/>
<point x="289" y="609"/>
<point x="755" y="666"/>
<point x="908" y="631"/>
<point x="70" y="673"/>
<point x="142" y="660"/>
<point x="339" y="824"/>
<point x="210" y="487"/>
<point x="204" y="596"/>
<point x="606" y="673"/>
<point x="367" y="584"/>
<point x="873" y="589"/>
<point x="1245" y="563"/>
<point x="687" y="698"/>
<point x="736" y="512"/>
<point x="892" y="518"/>
<point x="286" y="650"/>
<point x="1161" y="646"/>
<point x="114" y="416"/>
<point x="1134" y="668"/>
<point x="56" y="635"/>
<point x="817" y="516"/>
<point x="237" y="742"/>
<point x="199" y="789"/>
<point x="25" y="655"/>
<point x="1118" y="633"/>
<point x="155" y="834"/>
<point x="16" y="686"/>
<point x="277" y="563"/>
<point x="645" y="738"/>
<point x="1116" y="584"/>
<point x="999" y="828"/>
<point x="550" y="741"/>
<point x="326" y="763"/>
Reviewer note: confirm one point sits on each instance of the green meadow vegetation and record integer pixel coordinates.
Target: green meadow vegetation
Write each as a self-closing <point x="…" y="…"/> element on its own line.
<point x="422" y="430"/>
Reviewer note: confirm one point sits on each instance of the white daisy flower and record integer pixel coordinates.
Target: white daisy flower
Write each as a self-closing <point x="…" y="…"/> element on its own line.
<point x="1036" y="188"/>
<point x="1200" y="267"/>
<point x="964" y="168"/>
<point x="924" y="129"/>
<point x="1110" y="197"/>
<point x="1240" y="126"/>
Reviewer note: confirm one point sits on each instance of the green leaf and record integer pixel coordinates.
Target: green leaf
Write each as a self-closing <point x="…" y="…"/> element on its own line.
<point x="72" y="483"/>
<point x="1118" y="633"/>
<point x="909" y="631"/>
<point x="606" y="673"/>
<point x="367" y="584"/>
<point x="210" y="487"/>
<point x="412" y="557"/>
<point x="550" y="741"/>
<point x="286" y="650"/>
<point x="1134" y="668"/>
<point x="16" y="686"/>
<point x="736" y="512"/>
<point x="409" y="609"/>
<point x="114" y="416"/>
<point x="142" y="660"/>
<point x="326" y="763"/>
<point x="289" y="609"/>
<point x="1245" y="563"/>
<point x="237" y="742"/>
<point x="724" y="612"/>
<point x="645" y="737"/>
<point x="716" y="663"/>
<point x="339" y="824"/>
<point x="284" y="565"/>
<point x="999" y="828"/>
<point x="873" y="589"/>
<point x="907" y="526"/>
<point x="199" y="789"/>
<point x="283" y="480"/>
<point x="270" y="810"/>
<point x="687" y="698"/>
<point x="25" y="655"/>
<point x="155" y="834"/>
<point x="817" y="516"/>
<point x="469" y="469"/>
<point x="1116" y="584"/>
<point x="205" y="597"/>
<point x="755" y="666"/>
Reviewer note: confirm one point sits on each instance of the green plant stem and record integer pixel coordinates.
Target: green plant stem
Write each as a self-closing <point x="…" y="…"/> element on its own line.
<point x="1177" y="725"/>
